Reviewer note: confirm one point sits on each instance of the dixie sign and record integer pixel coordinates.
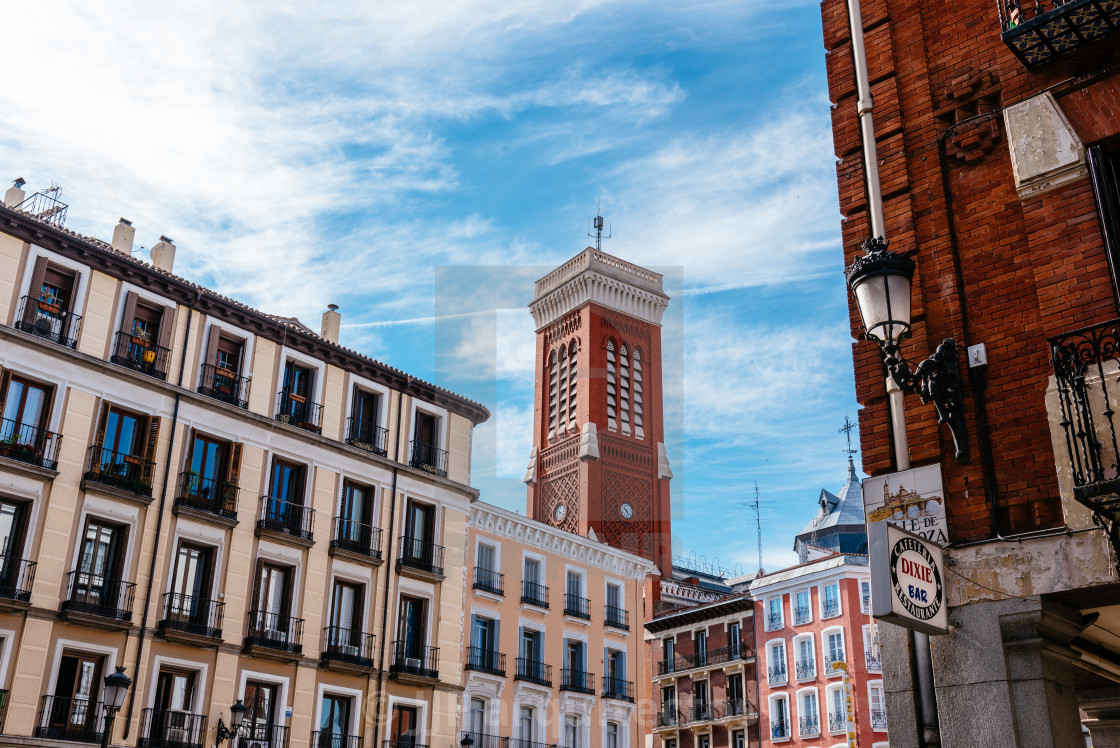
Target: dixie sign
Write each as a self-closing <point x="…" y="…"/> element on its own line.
<point x="907" y="579"/>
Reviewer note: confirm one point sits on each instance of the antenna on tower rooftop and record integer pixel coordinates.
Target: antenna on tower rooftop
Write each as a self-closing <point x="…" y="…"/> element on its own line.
<point x="598" y="224"/>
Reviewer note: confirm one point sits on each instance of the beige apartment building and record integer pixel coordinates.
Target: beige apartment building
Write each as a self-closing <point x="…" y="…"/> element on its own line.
<point x="554" y="647"/>
<point x="225" y="503"/>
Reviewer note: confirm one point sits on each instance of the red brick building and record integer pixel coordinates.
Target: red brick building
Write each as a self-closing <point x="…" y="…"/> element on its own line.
<point x="997" y="128"/>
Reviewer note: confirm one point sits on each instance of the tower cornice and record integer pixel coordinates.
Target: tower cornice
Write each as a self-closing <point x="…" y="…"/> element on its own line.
<point x="593" y="276"/>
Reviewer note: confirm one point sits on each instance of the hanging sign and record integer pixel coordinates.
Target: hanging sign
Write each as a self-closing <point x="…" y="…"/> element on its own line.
<point x="912" y="499"/>
<point x="907" y="579"/>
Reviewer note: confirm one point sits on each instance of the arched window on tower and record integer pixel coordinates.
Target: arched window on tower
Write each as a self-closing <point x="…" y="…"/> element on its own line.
<point x="612" y="387"/>
<point x="573" y="359"/>
<point x="562" y="404"/>
<point x="637" y="394"/>
<point x="624" y="388"/>
<point x="552" y="375"/>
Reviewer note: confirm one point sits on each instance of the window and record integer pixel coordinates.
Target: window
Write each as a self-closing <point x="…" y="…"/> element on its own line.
<point x="575" y="658"/>
<point x="418" y="544"/>
<point x="270" y="619"/>
<point x="864" y="596"/>
<point x="296" y="404"/>
<point x="734" y="640"/>
<point x="739" y="739"/>
<point x="96" y="584"/>
<point x="144" y="341"/>
<point x="830" y="602"/>
<point x="486" y="576"/>
<point x="639" y="416"/>
<point x="210" y="480"/>
<point x="553" y="393"/>
<point x="612" y="387"/>
<point x="347" y="605"/>
<point x="483" y="653"/>
<point x="801" y="612"/>
<point x="774" y="614"/>
<point x="834" y="651"/>
<point x="48" y="307"/>
<point x="705" y="741"/>
<point x="412" y="637"/>
<point x="668" y="705"/>
<point x="72" y="709"/>
<point x="334" y="721"/>
<point x="735" y="704"/>
<point x="26" y="406"/>
<point x="175" y="691"/>
<point x="701" y="641"/>
<point x="779" y="717"/>
<point x="15" y="571"/>
<point x="426" y="453"/>
<point x="363" y="429"/>
<point x="615" y="615"/>
<point x="804" y="662"/>
<point x="670" y="647"/>
<point x="777" y="663"/>
<point x="562" y="393"/>
<point x="575" y="603"/>
<point x="614" y="674"/>
<point x="525" y="724"/>
<point x="532" y="666"/>
<point x="809" y="716"/>
<point x="220" y="377"/>
<point x="191" y="579"/>
<point x="283" y="509"/>
<point x="572" y="729"/>
<point x="573" y="360"/>
<point x="354" y="527"/>
<point x="878" y="707"/>
<point x="123" y="450"/>
<point x="612" y="735"/>
<point x="477" y="719"/>
<point x="837" y="710"/>
<point x="871" y="648"/>
<point x="533" y="591"/>
<point x="701" y="710"/>
<point x="260" y="713"/>
<point x="624" y="388"/>
<point x="404" y="727"/>
<point x="172" y="721"/>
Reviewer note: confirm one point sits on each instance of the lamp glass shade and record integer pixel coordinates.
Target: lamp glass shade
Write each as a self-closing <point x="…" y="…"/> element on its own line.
<point x="116" y="686"/>
<point x="236" y="714"/>
<point x="884" y="304"/>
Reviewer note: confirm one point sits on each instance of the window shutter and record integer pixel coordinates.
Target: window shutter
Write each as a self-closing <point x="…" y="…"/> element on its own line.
<point x="130" y="300"/>
<point x="212" y="346"/>
<point x="33" y="291"/>
<point x="166" y="327"/>
<point x="233" y="471"/>
<point x="99" y="439"/>
<point x="150" y="450"/>
<point x="5" y="379"/>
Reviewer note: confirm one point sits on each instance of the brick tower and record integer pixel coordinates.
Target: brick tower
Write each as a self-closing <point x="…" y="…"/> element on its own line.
<point x="599" y="461"/>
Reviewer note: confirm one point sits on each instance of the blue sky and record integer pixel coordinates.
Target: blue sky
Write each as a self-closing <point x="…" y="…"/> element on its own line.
<point x="421" y="163"/>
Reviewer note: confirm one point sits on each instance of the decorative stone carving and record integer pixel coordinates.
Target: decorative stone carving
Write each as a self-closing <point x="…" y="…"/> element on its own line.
<point x="588" y="442"/>
<point x="663" y="470"/>
<point x="531" y="471"/>
<point x="1045" y="151"/>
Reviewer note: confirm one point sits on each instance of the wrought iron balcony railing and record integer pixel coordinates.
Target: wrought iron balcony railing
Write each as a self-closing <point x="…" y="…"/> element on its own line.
<point x="577" y="680"/>
<point x="45" y="206"/>
<point x="403" y="744"/>
<point x="669" y="717"/>
<point x="366" y="435"/>
<point x="49" y="321"/>
<point x="878" y="719"/>
<point x="534" y="594"/>
<point x="67" y="718"/>
<point x="4" y="697"/>
<point x="809" y="726"/>
<point x="286" y="517"/>
<point x="297" y="410"/>
<point x="874" y="660"/>
<point x="415" y="659"/>
<point x="830" y="609"/>
<point x="737" y="708"/>
<point x="325" y="739"/>
<point x="17" y="575"/>
<point x="141" y="354"/>
<point x="192" y="615"/>
<point x="533" y="671"/>
<point x="577" y="606"/>
<point x="482" y="740"/>
<point x="616" y="618"/>
<point x="837" y="722"/>
<point x="211" y="495"/>
<point x="357" y="537"/>
<point x="30" y="444"/>
<point x="702" y="713"/>
<point x="486" y="661"/>
<point x="489" y="580"/>
<point x="800" y="615"/>
<point x="429" y="458"/>
<point x="773" y="621"/>
<point x="275" y="631"/>
<point x="421" y="554"/>
<point x="829" y="663"/>
<point x="263" y="734"/>
<point x="99" y="596"/>
<point x="805" y="669"/>
<point x="225" y="385"/>
<point x="127" y="472"/>
<point x="347" y="645"/>
<point x="710" y="657"/>
<point x="1041" y="31"/>
<point x="776" y="675"/>
<point x="779" y="730"/>
<point x="172" y="729"/>
<point x="1084" y="364"/>
<point x="618" y="688"/>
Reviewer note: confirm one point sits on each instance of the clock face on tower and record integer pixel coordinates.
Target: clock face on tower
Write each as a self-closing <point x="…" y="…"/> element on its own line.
<point x="561" y="512"/>
<point x="626" y="511"/>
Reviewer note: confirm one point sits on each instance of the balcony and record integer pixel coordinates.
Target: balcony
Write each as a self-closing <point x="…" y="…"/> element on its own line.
<point x="490" y="581"/>
<point x="324" y="739"/>
<point x="779" y="730"/>
<point x="805" y="670"/>
<point x="1085" y="363"/>
<point x="224" y="385"/>
<point x="29" y="444"/>
<point x="534" y="594"/>
<point x="297" y="410"/>
<point x="668" y="718"/>
<point x="619" y="689"/>
<point x="878" y="719"/>
<point x="99" y="597"/>
<point x="616" y="618"/>
<point x="830" y="663"/>
<point x="830" y="609"/>
<point x="533" y="671"/>
<point x="809" y="727"/>
<point x="837" y="723"/>
<point x="125" y="472"/>
<point x="576" y="606"/>
<point x="1042" y="31"/>
<point x="209" y="496"/>
<point x="172" y="729"/>
<point x="416" y="660"/>
<point x="46" y="207"/>
<point x="429" y="458"/>
<point x="347" y="649"/>
<point x="403" y="744"/>
<point x="481" y="740"/>
<point x="707" y="658"/>
<point x="274" y="634"/>
<point x="422" y="556"/>
<point x="800" y="616"/>
<point x="773" y="621"/>
<point x="191" y="619"/>
<point x="702" y="713"/>
<point x="577" y="681"/>
<point x="286" y="519"/>
<point x="738" y="708"/>
<point x="48" y="321"/>
<point x="263" y="735"/>
<point x="874" y="661"/>
<point x="141" y="354"/>
<point x="367" y="436"/>
<point x="486" y="661"/>
<point x="357" y="538"/>
<point x="17" y="575"/>
<point x="776" y="676"/>
<point x="66" y="718"/>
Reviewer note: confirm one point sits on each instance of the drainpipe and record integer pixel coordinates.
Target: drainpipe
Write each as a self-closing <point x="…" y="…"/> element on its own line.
<point x="926" y="705"/>
<point x="159" y="521"/>
<point x="388" y="566"/>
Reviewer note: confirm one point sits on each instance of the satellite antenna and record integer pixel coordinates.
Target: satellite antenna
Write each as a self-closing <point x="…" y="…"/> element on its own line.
<point x="754" y="506"/>
<point x="598" y="225"/>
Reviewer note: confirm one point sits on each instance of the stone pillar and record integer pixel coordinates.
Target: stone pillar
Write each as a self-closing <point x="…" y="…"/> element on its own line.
<point x="898" y="686"/>
<point x="1103" y="707"/>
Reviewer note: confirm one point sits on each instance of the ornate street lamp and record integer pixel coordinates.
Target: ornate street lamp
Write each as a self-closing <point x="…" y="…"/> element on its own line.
<point x="116" y="688"/>
<point x="236" y="718"/>
<point x="467" y="740"/>
<point x="881" y="282"/>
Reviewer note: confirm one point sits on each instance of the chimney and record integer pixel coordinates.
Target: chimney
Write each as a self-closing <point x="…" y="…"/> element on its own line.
<point x="332" y="320"/>
<point x="15" y="194"/>
<point x="163" y="254"/>
<point x="123" y="234"/>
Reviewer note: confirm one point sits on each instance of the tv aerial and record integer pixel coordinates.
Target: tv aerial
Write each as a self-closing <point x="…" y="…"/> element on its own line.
<point x="597" y="222"/>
